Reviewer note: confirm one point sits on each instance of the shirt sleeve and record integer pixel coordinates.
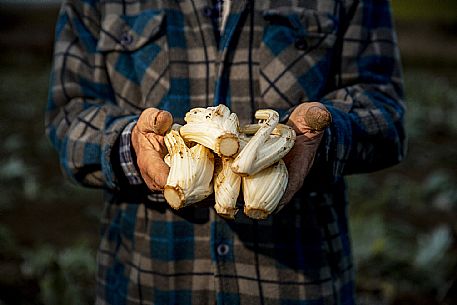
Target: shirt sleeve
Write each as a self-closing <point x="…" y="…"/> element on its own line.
<point x="83" y="120"/>
<point x="127" y="157"/>
<point x="367" y="132"/>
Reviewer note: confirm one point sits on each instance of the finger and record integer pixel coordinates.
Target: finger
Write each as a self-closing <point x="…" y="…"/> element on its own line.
<point x="305" y="150"/>
<point x="159" y="173"/>
<point x="155" y="183"/>
<point x="157" y="143"/>
<point x="293" y="185"/>
<point x="148" y="141"/>
<point x="150" y="183"/>
<point x="155" y="121"/>
<point x="155" y="173"/>
<point x="296" y="172"/>
<point x="299" y="161"/>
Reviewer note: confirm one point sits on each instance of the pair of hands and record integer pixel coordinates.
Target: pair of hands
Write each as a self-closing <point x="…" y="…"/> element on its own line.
<point x="308" y="120"/>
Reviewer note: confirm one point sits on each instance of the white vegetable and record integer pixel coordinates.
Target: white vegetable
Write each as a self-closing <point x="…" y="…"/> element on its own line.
<point x="257" y="168"/>
<point x="263" y="191"/>
<point x="270" y="143"/>
<point x="213" y="127"/>
<point x="191" y="172"/>
<point x="226" y="188"/>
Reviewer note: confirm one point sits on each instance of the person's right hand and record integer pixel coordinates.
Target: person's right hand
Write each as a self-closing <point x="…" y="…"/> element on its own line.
<point x="148" y="143"/>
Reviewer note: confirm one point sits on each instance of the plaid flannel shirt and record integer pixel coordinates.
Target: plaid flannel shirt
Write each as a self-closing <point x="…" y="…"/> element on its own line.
<point x="218" y="15"/>
<point x="114" y="58"/>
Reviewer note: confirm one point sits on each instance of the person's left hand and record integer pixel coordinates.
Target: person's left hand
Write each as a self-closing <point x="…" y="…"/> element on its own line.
<point x="309" y="121"/>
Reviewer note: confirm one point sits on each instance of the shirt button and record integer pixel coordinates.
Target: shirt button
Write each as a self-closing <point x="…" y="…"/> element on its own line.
<point x="223" y="249"/>
<point x="126" y="39"/>
<point x="207" y="11"/>
<point x="301" y="44"/>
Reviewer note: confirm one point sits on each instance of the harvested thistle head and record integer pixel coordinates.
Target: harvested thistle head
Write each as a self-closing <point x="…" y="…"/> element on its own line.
<point x="191" y="172"/>
<point x="270" y="143"/>
<point x="213" y="127"/>
<point x="263" y="191"/>
<point x="226" y="188"/>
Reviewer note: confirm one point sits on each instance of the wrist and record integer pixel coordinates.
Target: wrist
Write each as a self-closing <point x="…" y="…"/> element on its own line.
<point x="127" y="156"/>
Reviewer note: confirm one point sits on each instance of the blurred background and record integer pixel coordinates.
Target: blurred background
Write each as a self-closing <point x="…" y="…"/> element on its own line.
<point x="403" y="220"/>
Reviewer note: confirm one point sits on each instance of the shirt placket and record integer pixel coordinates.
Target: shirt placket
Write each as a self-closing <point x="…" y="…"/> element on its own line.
<point x="230" y="23"/>
<point x="223" y="257"/>
<point x="222" y="237"/>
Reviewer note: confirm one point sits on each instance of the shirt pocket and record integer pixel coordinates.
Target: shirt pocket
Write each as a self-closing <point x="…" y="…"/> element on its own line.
<point x="295" y="55"/>
<point x="135" y="51"/>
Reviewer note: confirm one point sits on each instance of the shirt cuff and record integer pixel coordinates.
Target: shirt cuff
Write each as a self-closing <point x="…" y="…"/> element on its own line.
<point x="127" y="156"/>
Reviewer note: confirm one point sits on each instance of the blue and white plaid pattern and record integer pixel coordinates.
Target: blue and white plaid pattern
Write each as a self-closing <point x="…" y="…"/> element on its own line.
<point x="115" y="58"/>
<point x="126" y="158"/>
<point x="125" y="147"/>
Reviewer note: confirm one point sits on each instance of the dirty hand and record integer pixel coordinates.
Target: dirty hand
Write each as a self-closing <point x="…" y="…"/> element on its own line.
<point x="148" y="143"/>
<point x="308" y="120"/>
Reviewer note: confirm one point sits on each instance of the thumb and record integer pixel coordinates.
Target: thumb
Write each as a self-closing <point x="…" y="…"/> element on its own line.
<point x="155" y="121"/>
<point x="309" y="117"/>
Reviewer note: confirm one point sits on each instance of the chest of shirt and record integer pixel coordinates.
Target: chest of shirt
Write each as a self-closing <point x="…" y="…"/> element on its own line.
<point x="270" y="53"/>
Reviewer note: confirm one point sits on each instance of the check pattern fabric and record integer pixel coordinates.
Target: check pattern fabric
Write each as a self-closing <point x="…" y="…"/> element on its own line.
<point x="114" y="58"/>
<point x="126" y="158"/>
<point x="218" y="14"/>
